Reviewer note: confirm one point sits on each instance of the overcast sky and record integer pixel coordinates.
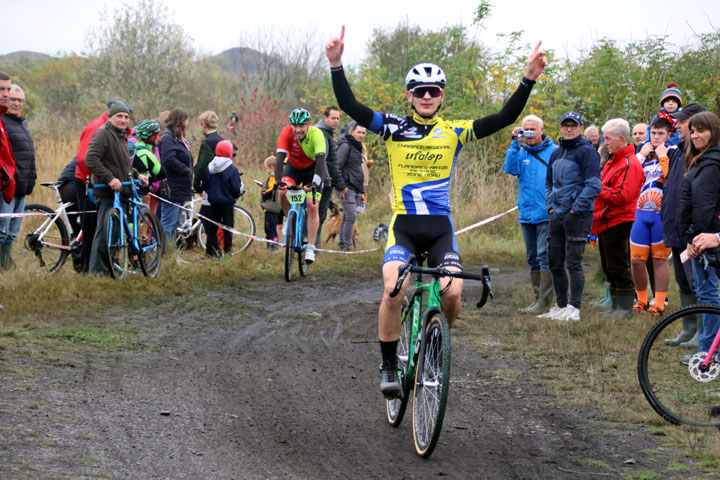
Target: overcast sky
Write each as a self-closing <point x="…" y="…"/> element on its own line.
<point x="49" y="26"/>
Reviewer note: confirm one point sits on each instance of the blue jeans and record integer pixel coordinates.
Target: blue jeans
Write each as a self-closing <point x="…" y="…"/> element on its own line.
<point x="170" y="220"/>
<point x="536" y="244"/>
<point x="706" y="289"/>
<point x="10" y="227"/>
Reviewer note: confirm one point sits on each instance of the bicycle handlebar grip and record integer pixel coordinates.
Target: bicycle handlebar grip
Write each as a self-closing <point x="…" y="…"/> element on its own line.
<point x="403" y="271"/>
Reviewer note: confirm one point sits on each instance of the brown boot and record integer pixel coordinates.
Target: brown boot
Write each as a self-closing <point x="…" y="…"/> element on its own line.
<point x="546" y="294"/>
<point x="535" y="280"/>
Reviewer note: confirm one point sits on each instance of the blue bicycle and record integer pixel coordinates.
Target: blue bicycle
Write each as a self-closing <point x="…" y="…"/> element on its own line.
<point x="130" y="223"/>
<point x="295" y="241"/>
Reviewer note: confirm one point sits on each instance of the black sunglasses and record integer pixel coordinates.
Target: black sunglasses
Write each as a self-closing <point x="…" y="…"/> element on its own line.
<point x="419" y="92"/>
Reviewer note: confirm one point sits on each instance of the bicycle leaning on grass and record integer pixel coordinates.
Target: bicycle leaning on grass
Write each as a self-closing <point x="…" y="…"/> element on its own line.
<point x="682" y="394"/>
<point x="295" y="230"/>
<point x="46" y="236"/>
<point x="134" y="234"/>
<point x="424" y="352"/>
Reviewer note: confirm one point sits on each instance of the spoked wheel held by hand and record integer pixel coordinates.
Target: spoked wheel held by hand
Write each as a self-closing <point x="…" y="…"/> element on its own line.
<point x="423" y="354"/>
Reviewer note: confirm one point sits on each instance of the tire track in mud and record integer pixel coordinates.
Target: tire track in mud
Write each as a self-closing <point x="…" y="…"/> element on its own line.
<point x="241" y="388"/>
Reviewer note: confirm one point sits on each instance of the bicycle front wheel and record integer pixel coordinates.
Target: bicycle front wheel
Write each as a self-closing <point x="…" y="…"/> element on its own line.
<point x="289" y="244"/>
<point x="395" y="407"/>
<point x="681" y="394"/>
<point x="150" y="242"/>
<point x="43" y="243"/>
<point x="432" y="380"/>
<point x="117" y="244"/>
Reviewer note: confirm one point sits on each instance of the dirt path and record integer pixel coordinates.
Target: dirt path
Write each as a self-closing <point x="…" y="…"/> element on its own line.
<point x="230" y="387"/>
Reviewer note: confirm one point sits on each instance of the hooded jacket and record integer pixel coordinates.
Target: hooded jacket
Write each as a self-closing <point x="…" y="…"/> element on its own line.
<point x="700" y="204"/>
<point x="331" y="168"/>
<point x="621" y="180"/>
<point x="672" y="196"/>
<point x="349" y="161"/>
<point x="82" y="171"/>
<point x="23" y="149"/>
<point x="205" y="156"/>
<point x="222" y="181"/>
<point x="531" y="175"/>
<point x="573" y="177"/>
<point x="178" y="162"/>
<point x="7" y="160"/>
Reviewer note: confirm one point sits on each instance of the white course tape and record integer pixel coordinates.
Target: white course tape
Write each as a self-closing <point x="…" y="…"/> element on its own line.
<point x="483" y="222"/>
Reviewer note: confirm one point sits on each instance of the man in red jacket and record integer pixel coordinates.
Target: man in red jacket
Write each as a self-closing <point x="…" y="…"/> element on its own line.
<point x="621" y="178"/>
<point x="7" y="160"/>
<point x="88" y="220"/>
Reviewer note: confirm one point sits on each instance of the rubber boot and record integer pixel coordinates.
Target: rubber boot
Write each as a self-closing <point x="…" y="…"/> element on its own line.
<point x="624" y="306"/>
<point x="546" y="293"/>
<point x="613" y="305"/>
<point x="607" y="300"/>
<point x="695" y="341"/>
<point x="5" y="260"/>
<point x="535" y="280"/>
<point x="689" y="323"/>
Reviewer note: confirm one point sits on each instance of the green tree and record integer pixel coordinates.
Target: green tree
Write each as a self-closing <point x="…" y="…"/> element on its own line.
<point x="139" y="54"/>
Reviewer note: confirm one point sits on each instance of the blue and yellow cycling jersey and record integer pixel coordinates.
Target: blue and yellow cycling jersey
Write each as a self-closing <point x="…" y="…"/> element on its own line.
<point x="422" y="159"/>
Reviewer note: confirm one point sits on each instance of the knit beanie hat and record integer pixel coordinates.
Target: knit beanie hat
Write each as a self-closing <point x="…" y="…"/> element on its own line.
<point x="118" y="107"/>
<point x="672" y="91"/>
<point x="224" y="149"/>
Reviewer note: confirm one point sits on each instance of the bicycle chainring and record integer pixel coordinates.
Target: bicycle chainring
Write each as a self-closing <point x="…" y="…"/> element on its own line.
<point x="695" y="368"/>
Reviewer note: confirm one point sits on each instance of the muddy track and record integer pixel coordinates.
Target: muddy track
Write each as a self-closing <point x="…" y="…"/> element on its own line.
<point x="229" y="386"/>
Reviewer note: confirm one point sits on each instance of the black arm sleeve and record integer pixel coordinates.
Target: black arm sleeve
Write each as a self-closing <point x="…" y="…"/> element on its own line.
<point x="279" y="164"/>
<point x="510" y="112"/>
<point x="319" y="166"/>
<point x="346" y="100"/>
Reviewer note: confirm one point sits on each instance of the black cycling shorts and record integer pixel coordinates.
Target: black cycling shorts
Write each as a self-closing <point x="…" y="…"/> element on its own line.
<point x="416" y="234"/>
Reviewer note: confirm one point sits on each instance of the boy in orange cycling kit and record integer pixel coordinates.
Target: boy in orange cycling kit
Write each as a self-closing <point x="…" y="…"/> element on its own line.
<point x="422" y="150"/>
<point x="305" y="148"/>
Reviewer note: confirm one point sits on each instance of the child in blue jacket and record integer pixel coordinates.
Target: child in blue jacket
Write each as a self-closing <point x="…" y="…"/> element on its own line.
<point x="670" y="102"/>
<point x="223" y="186"/>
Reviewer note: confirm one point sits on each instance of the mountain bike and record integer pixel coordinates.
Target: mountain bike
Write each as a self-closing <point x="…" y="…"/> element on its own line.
<point x="682" y="394"/>
<point x="46" y="236"/>
<point x="131" y="225"/>
<point x="295" y="230"/>
<point x="424" y="352"/>
<point x="191" y="228"/>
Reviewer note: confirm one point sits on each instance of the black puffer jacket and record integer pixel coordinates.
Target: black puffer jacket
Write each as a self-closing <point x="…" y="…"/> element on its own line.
<point x="23" y="149"/>
<point x="700" y="205"/>
<point x="178" y="162"/>
<point x="349" y="162"/>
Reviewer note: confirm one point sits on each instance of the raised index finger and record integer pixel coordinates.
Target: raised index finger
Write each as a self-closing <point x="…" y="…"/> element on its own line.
<point x="342" y="33"/>
<point x="537" y="47"/>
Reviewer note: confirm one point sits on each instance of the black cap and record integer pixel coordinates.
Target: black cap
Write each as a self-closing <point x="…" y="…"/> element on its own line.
<point x="688" y="111"/>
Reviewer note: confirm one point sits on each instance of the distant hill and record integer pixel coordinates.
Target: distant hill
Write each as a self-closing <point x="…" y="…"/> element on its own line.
<point x="23" y="56"/>
<point x="245" y="60"/>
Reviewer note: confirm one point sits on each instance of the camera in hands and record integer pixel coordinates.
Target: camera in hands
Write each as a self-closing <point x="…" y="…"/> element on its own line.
<point x="525" y="134"/>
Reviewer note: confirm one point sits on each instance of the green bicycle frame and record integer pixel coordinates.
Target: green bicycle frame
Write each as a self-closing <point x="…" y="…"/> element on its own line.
<point x="433" y="301"/>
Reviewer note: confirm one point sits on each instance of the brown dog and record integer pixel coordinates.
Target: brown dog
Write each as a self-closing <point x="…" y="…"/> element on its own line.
<point x="334" y="223"/>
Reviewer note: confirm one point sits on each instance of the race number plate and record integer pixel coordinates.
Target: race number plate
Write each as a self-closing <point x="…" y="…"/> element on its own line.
<point x="296" y="196"/>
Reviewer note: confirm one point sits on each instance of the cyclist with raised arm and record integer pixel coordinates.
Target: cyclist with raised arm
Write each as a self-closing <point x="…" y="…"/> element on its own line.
<point x="304" y="147"/>
<point x="422" y="150"/>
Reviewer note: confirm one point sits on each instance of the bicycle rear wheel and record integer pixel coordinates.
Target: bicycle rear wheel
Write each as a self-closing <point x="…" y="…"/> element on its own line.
<point x="396" y="407"/>
<point x="289" y="244"/>
<point x="244" y="223"/>
<point x="151" y="243"/>
<point x="40" y="252"/>
<point x="117" y="244"/>
<point x="432" y="380"/>
<point x="679" y="393"/>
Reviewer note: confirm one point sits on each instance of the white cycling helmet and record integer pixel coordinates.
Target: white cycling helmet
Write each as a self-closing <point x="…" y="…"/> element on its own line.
<point x="425" y="74"/>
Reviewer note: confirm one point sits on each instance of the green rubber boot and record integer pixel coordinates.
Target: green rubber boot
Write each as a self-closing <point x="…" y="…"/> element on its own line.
<point x="695" y="340"/>
<point x="689" y="324"/>
<point x="607" y="300"/>
<point x="613" y="305"/>
<point x="535" y="280"/>
<point x="546" y="294"/>
<point x="624" y="306"/>
<point x="5" y="260"/>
